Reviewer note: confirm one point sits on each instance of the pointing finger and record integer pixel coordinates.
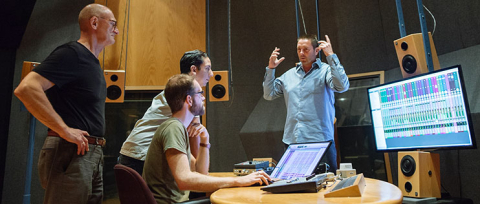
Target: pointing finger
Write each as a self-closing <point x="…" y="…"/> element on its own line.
<point x="327" y="38"/>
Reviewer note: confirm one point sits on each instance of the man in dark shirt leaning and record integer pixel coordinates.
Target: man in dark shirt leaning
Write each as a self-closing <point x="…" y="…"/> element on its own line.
<point x="66" y="92"/>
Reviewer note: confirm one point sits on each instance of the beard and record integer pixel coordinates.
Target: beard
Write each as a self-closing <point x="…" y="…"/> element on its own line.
<point x="197" y="108"/>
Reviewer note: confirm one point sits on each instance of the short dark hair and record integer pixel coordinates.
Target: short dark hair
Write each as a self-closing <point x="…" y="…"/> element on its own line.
<point x="313" y="39"/>
<point x="189" y="58"/>
<point x="177" y="89"/>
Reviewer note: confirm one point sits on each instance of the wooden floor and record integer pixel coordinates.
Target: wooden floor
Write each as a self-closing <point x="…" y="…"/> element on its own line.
<point x="111" y="201"/>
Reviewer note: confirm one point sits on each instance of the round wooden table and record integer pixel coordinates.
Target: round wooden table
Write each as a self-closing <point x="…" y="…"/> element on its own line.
<point x="376" y="191"/>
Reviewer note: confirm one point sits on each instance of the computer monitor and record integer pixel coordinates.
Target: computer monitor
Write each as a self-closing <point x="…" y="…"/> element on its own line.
<point x="428" y="111"/>
<point x="300" y="160"/>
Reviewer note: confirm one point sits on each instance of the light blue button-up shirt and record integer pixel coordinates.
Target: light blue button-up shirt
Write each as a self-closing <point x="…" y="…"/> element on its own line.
<point x="309" y="98"/>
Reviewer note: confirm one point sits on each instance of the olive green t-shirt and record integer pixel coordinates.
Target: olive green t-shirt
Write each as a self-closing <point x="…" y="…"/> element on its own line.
<point x="171" y="134"/>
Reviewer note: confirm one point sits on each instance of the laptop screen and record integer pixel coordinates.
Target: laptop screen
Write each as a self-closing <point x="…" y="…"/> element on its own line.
<point x="300" y="160"/>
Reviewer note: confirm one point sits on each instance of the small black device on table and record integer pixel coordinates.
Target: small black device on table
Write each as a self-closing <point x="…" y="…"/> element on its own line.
<point x="248" y="167"/>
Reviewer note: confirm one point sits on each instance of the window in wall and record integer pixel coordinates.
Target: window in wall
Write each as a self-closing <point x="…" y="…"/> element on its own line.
<point x="120" y="119"/>
<point x="354" y="127"/>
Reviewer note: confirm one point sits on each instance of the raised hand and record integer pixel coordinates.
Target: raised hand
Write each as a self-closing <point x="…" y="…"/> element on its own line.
<point x="326" y="46"/>
<point x="273" y="62"/>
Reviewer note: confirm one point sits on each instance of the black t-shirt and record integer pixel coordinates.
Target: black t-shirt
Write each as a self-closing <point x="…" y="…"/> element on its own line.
<point x="80" y="88"/>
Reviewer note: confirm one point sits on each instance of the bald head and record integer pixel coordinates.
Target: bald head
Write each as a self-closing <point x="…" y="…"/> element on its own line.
<point x="89" y="11"/>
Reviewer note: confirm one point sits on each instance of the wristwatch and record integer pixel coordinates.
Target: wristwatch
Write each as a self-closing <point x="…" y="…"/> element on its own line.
<point x="205" y="145"/>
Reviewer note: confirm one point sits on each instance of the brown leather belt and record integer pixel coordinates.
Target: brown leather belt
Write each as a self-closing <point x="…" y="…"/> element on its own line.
<point x="91" y="139"/>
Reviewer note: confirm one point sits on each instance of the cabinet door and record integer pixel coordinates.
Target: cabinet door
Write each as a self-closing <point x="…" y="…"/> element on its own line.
<point x="153" y="37"/>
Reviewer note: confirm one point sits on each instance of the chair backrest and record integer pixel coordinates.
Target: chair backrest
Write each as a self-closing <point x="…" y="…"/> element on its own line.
<point x="132" y="189"/>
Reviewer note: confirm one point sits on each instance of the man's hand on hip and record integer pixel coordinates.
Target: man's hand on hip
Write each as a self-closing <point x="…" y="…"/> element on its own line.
<point x="77" y="136"/>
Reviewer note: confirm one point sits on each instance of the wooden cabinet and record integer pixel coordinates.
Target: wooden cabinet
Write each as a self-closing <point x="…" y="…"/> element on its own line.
<point x="153" y="36"/>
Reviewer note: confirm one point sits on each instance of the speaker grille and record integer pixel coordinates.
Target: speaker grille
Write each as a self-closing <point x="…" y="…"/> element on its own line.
<point x="407" y="165"/>
<point x="114" y="92"/>
<point x="409" y="64"/>
<point x="218" y="91"/>
<point x="408" y="187"/>
<point x="114" y="78"/>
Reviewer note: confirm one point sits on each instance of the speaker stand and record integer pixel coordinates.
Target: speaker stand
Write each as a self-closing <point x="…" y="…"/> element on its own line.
<point x="408" y="200"/>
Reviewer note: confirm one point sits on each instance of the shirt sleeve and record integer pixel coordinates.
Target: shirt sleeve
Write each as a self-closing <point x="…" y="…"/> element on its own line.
<point x="60" y="67"/>
<point x="272" y="87"/>
<point x="174" y="138"/>
<point x="336" y="77"/>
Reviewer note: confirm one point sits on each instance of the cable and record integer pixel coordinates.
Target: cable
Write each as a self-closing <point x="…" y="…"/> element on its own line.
<point x="328" y="186"/>
<point x="318" y="26"/>
<point x="103" y="58"/>
<point x="230" y="55"/>
<point x="233" y="96"/>
<point x="433" y="17"/>
<point x="208" y="25"/>
<point x="443" y="187"/>
<point x="458" y="170"/>
<point x="229" y="43"/>
<point x="127" y="6"/>
<point x="128" y="28"/>
<point x="126" y="43"/>
<point x="301" y="13"/>
<point x="123" y="35"/>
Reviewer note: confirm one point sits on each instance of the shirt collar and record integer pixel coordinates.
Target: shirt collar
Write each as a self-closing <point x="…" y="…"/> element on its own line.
<point x="315" y="65"/>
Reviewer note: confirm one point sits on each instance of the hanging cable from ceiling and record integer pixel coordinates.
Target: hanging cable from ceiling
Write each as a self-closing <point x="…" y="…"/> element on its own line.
<point x="230" y="70"/>
<point x="433" y="17"/>
<point x="303" y="19"/>
<point x="126" y="22"/>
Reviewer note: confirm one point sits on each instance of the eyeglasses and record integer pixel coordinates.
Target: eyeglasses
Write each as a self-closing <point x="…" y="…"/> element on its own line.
<point x="191" y="94"/>
<point x="200" y="92"/>
<point x="112" y="21"/>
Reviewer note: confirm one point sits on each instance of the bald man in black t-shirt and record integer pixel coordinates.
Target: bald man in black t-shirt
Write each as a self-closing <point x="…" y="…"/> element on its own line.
<point x="66" y="92"/>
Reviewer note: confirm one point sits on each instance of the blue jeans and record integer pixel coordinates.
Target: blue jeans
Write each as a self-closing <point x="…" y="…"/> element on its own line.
<point x="68" y="177"/>
<point x="135" y="164"/>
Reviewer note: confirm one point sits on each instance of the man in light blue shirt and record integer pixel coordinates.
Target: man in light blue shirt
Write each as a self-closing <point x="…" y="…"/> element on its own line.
<point x="308" y="90"/>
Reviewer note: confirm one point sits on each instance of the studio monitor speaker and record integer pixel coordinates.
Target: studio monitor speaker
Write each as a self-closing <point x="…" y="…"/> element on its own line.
<point x="411" y="55"/>
<point x="218" y="86"/>
<point x="419" y="174"/>
<point x="27" y="68"/>
<point x="115" y="85"/>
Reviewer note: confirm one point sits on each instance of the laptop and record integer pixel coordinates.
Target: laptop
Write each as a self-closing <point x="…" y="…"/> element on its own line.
<point x="300" y="160"/>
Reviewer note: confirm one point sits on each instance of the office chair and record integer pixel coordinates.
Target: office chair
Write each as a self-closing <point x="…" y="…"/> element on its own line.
<point x="132" y="189"/>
